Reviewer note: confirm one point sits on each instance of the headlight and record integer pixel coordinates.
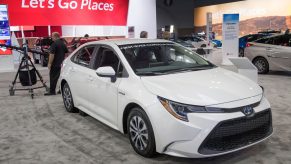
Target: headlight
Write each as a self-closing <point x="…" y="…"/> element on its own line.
<point x="180" y="111"/>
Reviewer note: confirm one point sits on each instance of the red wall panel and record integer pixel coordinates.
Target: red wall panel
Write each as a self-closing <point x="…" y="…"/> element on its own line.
<point x="40" y="31"/>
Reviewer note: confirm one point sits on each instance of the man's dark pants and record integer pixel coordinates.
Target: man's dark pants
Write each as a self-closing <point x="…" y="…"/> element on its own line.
<point x="54" y="76"/>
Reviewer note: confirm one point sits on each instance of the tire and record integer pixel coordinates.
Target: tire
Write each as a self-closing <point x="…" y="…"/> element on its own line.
<point x="68" y="99"/>
<point x="262" y="65"/>
<point x="43" y="62"/>
<point x="241" y="52"/>
<point x="140" y="133"/>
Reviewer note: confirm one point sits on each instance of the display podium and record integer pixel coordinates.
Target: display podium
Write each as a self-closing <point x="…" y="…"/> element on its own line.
<point x="246" y="68"/>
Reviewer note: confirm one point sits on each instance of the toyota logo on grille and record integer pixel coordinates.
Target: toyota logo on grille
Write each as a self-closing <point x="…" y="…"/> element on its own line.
<point x="248" y="110"/>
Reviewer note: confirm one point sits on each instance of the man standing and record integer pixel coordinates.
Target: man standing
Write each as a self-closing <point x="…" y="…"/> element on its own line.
<point x="57" y="54"/>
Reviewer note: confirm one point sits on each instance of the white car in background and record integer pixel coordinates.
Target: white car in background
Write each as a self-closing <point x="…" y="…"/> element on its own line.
<point x="166" y="98"/>
<point x="196" y="41"/>
<point x="270" y="53"/>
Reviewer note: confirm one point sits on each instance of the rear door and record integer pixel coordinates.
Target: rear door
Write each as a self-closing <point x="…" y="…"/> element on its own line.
<point x="279" y="52"/>
<point x="80" y="73"/>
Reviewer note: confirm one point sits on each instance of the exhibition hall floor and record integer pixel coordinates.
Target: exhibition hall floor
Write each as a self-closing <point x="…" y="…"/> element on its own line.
<point x="41" y="131"/>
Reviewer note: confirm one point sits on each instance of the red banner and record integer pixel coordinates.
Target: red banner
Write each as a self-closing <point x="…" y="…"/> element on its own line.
<point x="67" y="12"/>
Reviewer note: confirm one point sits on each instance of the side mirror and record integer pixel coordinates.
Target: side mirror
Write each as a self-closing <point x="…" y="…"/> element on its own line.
<point x="106" y="72"/>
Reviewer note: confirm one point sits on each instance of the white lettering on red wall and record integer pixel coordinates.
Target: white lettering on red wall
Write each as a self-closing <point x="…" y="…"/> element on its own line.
<point x="67" y="12"/>
<point x="64" y="4"/>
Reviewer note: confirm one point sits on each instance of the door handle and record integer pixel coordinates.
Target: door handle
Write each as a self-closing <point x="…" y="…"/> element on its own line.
<point x="121" y="93"/>
<point x="269" y="49"/>
<point x="90" y="78"/>
<point x="272" y="56"/>
<point x="73" y="69"/>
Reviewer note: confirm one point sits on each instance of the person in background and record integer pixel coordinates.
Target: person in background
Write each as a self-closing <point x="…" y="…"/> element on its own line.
<point x="82" y="40"/>
<point x="166" y="35"/>
<point x="57" y="53"/>
<point x="143" y="34"/>
<point x="86" y="36"/>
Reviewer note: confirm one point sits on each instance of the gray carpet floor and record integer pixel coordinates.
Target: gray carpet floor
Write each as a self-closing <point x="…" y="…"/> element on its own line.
<point x="40" y="131"/>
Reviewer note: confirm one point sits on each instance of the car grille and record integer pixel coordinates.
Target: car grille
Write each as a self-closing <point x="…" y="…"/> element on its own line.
<point x="238" y="132"/>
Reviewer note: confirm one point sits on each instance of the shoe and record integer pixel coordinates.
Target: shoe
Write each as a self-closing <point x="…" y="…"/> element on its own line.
<point x="49" y="94"/>
<point x="59" y="92"/>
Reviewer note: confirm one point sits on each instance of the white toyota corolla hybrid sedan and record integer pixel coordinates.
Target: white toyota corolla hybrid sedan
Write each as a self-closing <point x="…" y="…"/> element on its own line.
<point x="165" y="97"/>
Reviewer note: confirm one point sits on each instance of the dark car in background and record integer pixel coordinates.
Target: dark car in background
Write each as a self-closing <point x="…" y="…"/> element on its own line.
<point x="249" y="38"/>
<point x="42" y="45"/>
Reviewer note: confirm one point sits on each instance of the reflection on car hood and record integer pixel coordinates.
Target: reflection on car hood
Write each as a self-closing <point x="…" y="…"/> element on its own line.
<point x="206" y="87"/>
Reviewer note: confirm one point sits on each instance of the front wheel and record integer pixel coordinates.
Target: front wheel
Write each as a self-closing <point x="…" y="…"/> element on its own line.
<point x="262" y="65"/>
<point x="140" y="133"/>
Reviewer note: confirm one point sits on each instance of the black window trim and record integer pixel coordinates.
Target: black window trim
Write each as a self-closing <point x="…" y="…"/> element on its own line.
<point x="97" y="63"/>
<point x="73" y="58"/>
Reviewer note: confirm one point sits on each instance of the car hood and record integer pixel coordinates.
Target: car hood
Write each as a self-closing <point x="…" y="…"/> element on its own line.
<point x="204" y="87"/>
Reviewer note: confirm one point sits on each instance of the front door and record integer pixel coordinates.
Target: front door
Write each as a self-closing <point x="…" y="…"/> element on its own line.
<point x="279" y="53"/>
<point x="105" y="95"/>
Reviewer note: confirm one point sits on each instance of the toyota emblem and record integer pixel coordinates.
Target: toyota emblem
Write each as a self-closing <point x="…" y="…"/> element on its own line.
<point x="248" y="110"/>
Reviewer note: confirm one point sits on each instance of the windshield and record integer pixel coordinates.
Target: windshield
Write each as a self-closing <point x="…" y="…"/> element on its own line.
<point x="162" y="58"/>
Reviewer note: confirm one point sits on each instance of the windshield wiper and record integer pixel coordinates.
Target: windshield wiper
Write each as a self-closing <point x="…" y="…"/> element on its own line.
<point x="198" y="68"/>
<point x="149" y="73"/>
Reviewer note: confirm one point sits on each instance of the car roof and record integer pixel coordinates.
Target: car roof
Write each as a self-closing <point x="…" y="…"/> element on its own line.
<point x="275" y="35"/>
<point x="130" y="41"/>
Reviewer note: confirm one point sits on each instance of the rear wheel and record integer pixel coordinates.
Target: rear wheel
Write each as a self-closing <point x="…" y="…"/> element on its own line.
<point x="140" y="133"/>
<point x="262" y="65"/>
<point x="68" y="99"/>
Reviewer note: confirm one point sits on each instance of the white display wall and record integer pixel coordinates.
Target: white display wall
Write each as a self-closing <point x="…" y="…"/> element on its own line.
<point x="141" y="15"/>
<point x="79" y="31"/>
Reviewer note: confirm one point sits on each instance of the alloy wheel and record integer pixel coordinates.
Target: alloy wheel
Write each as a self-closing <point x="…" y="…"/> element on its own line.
<point x="261" y="65"/>
<point x="139" y="133"/>
<point x="67" y="98"/>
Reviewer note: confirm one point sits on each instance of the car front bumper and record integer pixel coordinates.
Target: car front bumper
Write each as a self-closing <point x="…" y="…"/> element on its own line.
<point x="210" y="134"/>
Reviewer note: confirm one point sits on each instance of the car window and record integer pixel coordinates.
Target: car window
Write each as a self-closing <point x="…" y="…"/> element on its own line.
<point x="195" y="39"/>
<point x="262" y="40"/>
<point x="270" y="41"/>
<point x="283" y="40"/>
<point x="251" y="38"/>
<point x="107" y="57"/>
<point x="199" y="39"/>
<point x="84" y="56"/>
<point x="151" y="58"/>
